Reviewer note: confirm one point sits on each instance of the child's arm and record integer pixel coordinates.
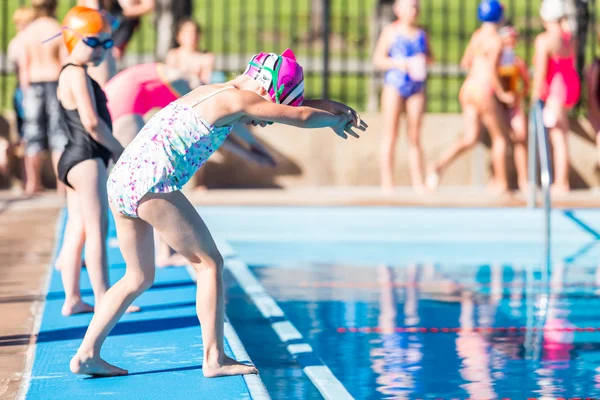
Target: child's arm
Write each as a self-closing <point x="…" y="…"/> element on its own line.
<point x="257" y="107"/>
<point x="22" y="63"/>
<point x="540" y="63"/>
<point x="171" y="58"/>
<point x="592" y="89"/>
<point x="496" y="52"/>
<point x="524" y="74"/>
<point x="86" y="107"/>
<point x="333" y="107"/>
<point x="381" y="60"/>
<point x="430" y="57"/>
<point x="467" y="58"/>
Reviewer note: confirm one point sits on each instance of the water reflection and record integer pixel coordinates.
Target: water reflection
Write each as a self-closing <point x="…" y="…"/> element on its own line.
<point x="485" y="355"/>
<point x="480" y="357"/>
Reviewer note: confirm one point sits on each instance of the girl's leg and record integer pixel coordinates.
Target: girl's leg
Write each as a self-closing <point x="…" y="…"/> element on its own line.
<point x="518" y="123"/>
<point x="490" y="116"/>
<point x="178" y="223"/>
<point x="61" y="188"/>
<point x="391" y="107"/>
<point x="469" y="139"/>
<point x="137" y="246"/>
<point x="165" y="257"/>
<point x="69" y="260"/>
<point x="598" y="147"/>
<point x="415" y="107"/>
<point x="89" y="180"/>
<point x="558" y="136"/>
<point x="126" y="127"/>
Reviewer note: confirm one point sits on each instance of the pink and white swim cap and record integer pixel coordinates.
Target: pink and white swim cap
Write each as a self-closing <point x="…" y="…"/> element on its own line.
<point x="280" y="75"/>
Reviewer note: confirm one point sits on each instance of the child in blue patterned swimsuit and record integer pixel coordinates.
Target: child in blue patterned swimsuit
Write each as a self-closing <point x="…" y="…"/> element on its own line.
<point x="144" y="193"/>
<point x="403" y="52"/>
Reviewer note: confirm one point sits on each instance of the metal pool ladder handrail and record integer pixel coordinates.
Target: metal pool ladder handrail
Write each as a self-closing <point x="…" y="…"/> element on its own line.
<point x="538" y="144"/>
<point x="538" y="140"/>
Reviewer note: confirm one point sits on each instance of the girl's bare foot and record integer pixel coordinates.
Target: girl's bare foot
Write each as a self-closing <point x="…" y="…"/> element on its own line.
<point x="433" y="179"/>
<point x="559" y="189"/>
<point x="420" y="189"/>
<point x="227" y="367"/>
<point x="94" y="366"/>
<point x="133" y="309"/>
<point x="497" y="189"/>
<point x="77" y="307"/>
<point x="388" y="189"/>
<point x="523" y="186"/>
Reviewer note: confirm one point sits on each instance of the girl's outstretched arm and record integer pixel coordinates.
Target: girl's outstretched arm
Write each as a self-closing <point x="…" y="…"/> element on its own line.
<point x="255" y="106"/>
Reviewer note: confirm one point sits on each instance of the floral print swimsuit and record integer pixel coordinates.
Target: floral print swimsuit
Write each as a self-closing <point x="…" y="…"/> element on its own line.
<point x="163" y="157"/>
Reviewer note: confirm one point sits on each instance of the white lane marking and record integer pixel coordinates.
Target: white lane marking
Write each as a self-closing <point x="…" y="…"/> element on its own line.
<point x="320" y="375"/>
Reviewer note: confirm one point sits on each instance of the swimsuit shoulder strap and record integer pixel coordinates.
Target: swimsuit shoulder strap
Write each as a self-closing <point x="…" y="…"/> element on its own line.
<point x="212" y="94"/>
<point x="69" y="64"/>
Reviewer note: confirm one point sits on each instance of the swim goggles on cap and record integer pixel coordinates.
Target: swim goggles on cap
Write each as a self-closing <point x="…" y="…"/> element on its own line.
<point x="91" y="41"/>
<point x="264" y="78"/>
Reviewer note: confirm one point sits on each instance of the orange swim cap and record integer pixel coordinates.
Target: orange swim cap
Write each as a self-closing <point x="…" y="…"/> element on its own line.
<point x="82" y="21"/>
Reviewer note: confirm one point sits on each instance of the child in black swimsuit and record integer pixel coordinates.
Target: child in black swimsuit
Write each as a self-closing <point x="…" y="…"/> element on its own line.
<point x="83" y="165"/>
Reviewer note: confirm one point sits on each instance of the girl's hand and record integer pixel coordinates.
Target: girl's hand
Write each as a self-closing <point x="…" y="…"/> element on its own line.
<point x="507" y="98"/>
<point x="347" y="122"/>
<point x="402" y="65"/>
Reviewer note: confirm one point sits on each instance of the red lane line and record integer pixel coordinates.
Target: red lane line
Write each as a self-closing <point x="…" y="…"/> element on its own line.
<point x="416" y="329"/>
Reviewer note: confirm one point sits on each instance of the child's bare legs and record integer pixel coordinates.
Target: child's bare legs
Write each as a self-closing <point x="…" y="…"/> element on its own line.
<point x="69" y="259"/>
<point x="126" y="128"/>
<point x="179" y="224"/>
<point x="598" y="147"/>
<point x="518" y="124"/>
<point x="391" y="107"/>
<point x="469" y="139"/>
<point x="33" y="173"/>
<point x="490" y="116"/>
<point x="60" y="187"/>
<point x="415" y="107"/>
<point x="165" y="257"/>
<point x="558" y="136"/>
<point x="89" y="180"/>
<point x="137" y="245"/>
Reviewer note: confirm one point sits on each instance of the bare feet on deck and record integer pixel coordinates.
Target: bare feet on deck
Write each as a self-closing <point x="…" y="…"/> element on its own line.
<point x="94" y="366"/>
<point x="78" y="307"/>
<point x="227" y="367"/>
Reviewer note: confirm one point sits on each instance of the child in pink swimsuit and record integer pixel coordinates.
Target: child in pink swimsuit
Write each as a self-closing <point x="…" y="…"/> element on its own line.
<point x="557" y="84"/>
<point x="144" y="194"/>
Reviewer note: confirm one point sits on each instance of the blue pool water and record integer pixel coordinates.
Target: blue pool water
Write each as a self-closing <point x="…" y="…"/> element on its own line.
<point x="326" y="301"/>
<point x="352" y="294"/>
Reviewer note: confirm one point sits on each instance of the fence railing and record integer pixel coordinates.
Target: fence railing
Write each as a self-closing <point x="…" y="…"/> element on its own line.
<point x="333" y="38"/>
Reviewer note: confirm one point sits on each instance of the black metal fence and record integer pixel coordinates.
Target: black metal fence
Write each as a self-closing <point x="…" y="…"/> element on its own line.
<point x="333" y="39"/>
